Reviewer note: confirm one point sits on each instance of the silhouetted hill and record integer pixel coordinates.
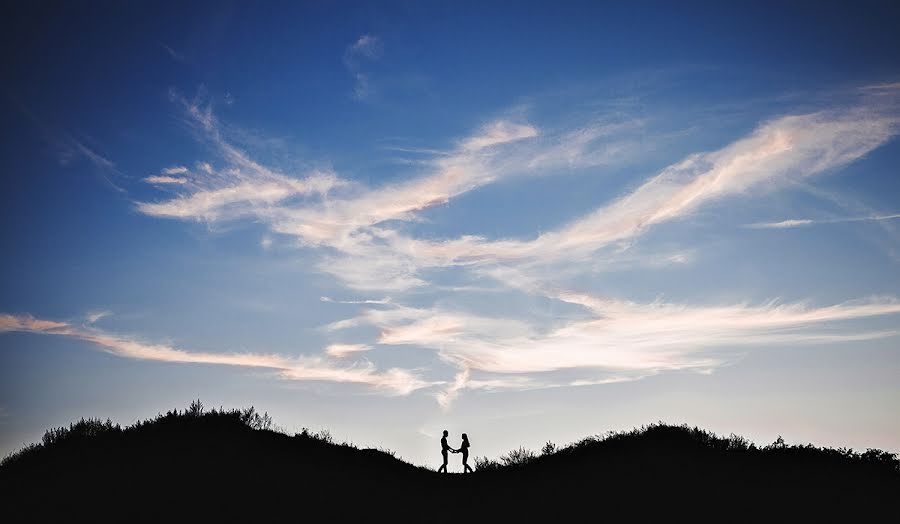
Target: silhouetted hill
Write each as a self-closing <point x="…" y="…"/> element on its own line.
<point x="230" y="465"/>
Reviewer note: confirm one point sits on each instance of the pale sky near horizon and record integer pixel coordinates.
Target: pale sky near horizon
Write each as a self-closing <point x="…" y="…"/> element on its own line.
<point x="527" y="222"/>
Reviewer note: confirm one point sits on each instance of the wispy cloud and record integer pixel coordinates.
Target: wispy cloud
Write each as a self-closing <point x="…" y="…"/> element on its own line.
<point x="355" y="232"/>
<point x="395" y="381"/>
<point x="620" y="337"/>
<point x="175" y="170"/>
<point x="162" y="179"/>
<point x="345" y="350"/>
<point x="887" y="87"/>
<point x="366" y="301"/>
<point x="449" y="394"/>
<point x="366" y="48"/>
<point x="70" y="149"/>
<point x="782" y="149"/>
<point x="499" y="132"/>
<point x="241" y="188"/>
<point x="95" y="316"/>
<point x="175" y="55"/>
<point x="792" y="223"/>
<point x="92" y="156"/>
<point x="67" y="147"/>
<point x="616" y="341"/>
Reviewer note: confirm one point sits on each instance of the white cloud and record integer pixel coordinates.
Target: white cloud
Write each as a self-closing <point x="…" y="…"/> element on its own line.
<point x="782" y="149"/>
<point x="94" y="316"/>
<point x="385" y="300"/>
<point x="159" y="179"/>
<point x="366" y="48"/>
<point x="361" y="89"/>
<point x="885" y="87"/>
<point x="448" y="395"/>
<point x="344" y="350"/>
<point x="355" y="231"/>
<point x="373" y="258"/>
<point x="241" y="199"/>
<point x="379" y="317"/>
<point x="621" y="337"/>
<point x="394" y="381"/>
<point x="243" y="188"/>
<point x="786" y="224"/>
<point x="174" y="170"/>
<point x="499" y="132"/>
<point x="95" y="158"/>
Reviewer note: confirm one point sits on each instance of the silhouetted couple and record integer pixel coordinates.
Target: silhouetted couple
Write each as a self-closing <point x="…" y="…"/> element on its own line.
<point x="463" y="448"/>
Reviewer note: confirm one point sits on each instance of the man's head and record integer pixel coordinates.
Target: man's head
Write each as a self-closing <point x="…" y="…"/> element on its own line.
<point x="445" y="433"/>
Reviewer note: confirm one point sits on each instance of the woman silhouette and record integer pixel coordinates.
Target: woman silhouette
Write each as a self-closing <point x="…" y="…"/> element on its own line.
<point x="464" y="449"/>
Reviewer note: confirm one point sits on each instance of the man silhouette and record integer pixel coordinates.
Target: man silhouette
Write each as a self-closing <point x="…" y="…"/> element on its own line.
<point x="444" y="449"/>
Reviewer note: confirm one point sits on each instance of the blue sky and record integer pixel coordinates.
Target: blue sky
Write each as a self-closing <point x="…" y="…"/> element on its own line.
<point x="524" y="222"/>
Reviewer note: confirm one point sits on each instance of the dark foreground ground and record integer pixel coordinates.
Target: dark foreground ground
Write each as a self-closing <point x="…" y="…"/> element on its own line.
<point x="224" y="465"/>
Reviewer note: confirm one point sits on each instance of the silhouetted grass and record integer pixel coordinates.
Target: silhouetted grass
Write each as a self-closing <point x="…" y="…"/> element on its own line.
<point x="235" y="463"/>
<point x="876" y="458"/>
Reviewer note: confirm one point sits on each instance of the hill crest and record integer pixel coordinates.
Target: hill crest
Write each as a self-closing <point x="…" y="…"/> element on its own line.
<point x="238" y="455"/>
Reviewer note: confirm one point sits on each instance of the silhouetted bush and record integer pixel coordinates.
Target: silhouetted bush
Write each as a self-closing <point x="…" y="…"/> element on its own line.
<point x="195" y="409"/>
<point x="548" y="449"/>
<point x="484" y="464"/>
<point x="84" y="428"/>
<point x="321" y="436"/>
<point x="737" y="443"/>
<point x="254" y="420"/>
<point x="517" y="457"/>
<point x="882" y="460"/>
<point x="16" y="456"/>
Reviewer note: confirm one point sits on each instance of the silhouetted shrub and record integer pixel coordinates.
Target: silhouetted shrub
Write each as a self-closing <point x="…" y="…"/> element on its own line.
<point x="517" y="457"/>
<point x="389" y="452"/>
<point x="485" y="464"/>
<point x="322" y="436"/>
<point x="84" y="428"/>
<point x="252" y="419"/>
<point x="195" y="409"/>
<point x="881" y="458"/>
<point x="18" y="455"/>
<point x="548" y="449"/>
<point x="778" y="444"/>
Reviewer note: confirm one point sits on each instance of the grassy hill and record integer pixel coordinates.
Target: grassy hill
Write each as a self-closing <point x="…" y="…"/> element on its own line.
<point x="230" y="464"/>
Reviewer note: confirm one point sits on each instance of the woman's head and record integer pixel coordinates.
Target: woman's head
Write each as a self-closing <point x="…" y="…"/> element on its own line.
<point x="465" y="437"/>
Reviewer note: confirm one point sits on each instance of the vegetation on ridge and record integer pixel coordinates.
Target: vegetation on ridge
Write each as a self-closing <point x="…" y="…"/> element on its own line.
<point x="241" y="455"/>
<point x="93" y="428"/>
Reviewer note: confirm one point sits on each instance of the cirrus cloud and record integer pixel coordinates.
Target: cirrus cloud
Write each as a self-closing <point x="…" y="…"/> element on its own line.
<point x="357" y="234"/>
<point x="302" y="368"/>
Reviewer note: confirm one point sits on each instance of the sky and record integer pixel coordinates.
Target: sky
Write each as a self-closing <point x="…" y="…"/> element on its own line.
<point x="527" y="222"/>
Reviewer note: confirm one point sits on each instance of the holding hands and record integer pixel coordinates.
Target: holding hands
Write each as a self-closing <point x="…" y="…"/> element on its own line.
<point x="463" y="448"/>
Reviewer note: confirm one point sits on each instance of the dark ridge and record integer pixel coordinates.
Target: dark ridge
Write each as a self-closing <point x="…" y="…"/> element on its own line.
<point x="231" y="464"/>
